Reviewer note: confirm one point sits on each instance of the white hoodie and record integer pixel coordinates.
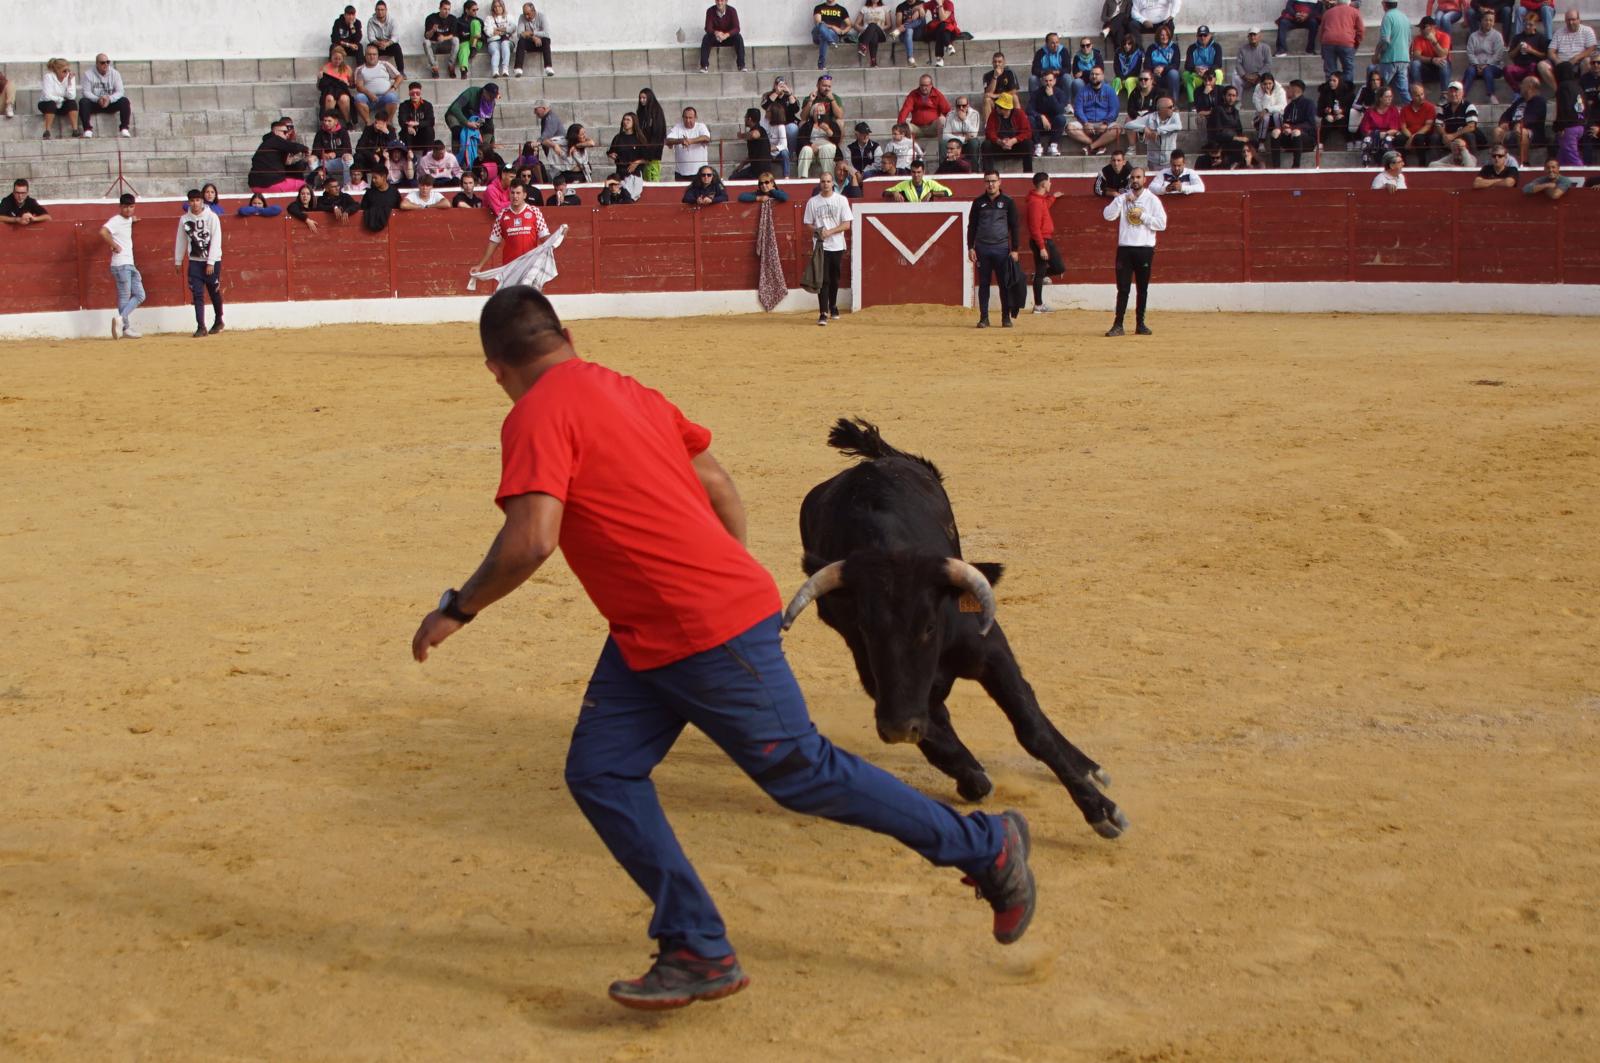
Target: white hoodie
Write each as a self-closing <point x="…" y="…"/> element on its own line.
<point x="199" y="238"/>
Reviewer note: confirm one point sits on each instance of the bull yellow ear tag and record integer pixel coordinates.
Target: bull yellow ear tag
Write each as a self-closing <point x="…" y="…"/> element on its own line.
<point x="968" y="603"/>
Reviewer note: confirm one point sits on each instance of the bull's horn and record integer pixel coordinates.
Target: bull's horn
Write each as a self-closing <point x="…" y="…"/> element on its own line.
<point x="828" y="578"/>
<point x="974" y="583"/>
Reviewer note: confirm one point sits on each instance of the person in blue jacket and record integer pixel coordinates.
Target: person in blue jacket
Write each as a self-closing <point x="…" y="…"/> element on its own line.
<point x="705" y="189"/>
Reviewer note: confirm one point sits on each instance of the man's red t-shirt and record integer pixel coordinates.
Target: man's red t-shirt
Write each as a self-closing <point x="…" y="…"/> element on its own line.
<point x="519" y="231"/>
<point x="638" y="531"/>
<point x="1414" y="117"/>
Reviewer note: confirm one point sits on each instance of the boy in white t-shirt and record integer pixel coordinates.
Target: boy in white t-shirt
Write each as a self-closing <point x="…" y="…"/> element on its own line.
<point x="424" y="197"/>
<point x="688" y="141"/>
<point x="118" y="235"/>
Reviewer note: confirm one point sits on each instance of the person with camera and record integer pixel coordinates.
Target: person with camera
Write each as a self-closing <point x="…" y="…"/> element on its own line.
<point x="1139" y="216"/>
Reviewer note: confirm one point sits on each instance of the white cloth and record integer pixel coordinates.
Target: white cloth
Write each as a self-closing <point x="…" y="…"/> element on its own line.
<point x="825" y="212"/>
<point x="687" y="158"/>
<point x="536" y="267"/>
<point x="1383" y="180"/>
<point x="121" y="230"/>
<point x="1152" y="221"/>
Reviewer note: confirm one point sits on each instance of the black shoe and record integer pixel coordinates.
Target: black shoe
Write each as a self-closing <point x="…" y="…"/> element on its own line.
<point x="1005" y="322"/>
<point x="679" y="978"/>
<point x="1115" y="330"/>
<point x="1008" y="883"/>
<point x="983" y="322"/>
<point x="1142" y="330"/>
<point x="216" y="328"/>
<point x="200" y="333"/>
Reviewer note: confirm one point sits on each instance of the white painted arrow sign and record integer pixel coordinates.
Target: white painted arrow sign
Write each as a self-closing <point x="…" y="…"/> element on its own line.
<point x="913" y="257"/>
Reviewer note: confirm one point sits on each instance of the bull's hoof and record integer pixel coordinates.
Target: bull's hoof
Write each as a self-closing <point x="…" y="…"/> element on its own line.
<point x="974" y="788"/>
<point x="1113" y="827"/>
<point x="1099" y="776"/>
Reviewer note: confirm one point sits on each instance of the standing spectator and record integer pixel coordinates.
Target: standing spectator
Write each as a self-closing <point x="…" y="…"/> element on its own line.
<point x="998" y="79"/>
<point x="1334" y="100"/>
<point x="8" y="96"/>
<point x="1418" y="121"/>
<point x="1381" y="128"/>
<point x="1299" y="15"/>
<point x="199" y="247"/>
<point x="1430" y="54"/>
<point x="1008" y="134"/>
<point x="438" y="164"/>
<point x="1041" y="232"/>
<point x="830" y="23"/>
<point x="1522" y="123"/>
<point x="705" y="190"/>
<point x="1158" y="129"/>
<point x="1298" y="129"/>
<point x="333" y="84"/>
<point x="441" y="35"/>
<point x="379" y="203"/>
<point x="1161" y="61"/>
<point x="925" y="108"/>
<point x="499" y="31"/>
<point x="1113" y="176"/>
<point x="279" y="164"/>
<point x="766" y="188"/>
<point x="468" y="197"/>
<point x="819" y="139"/>
<point x="1571" y="46"/>
<point x="1097" y="108"/>
<point x="335" y="201"/>
<point x="517" y="229"/>
<point x="346" y="31"/>
<point x="533" y="35"/>
<point x="414" y="119"/>
<point x="1050" y="59"/>
<point x="689" y="141"/>
<point x="1253" y="61"/>
<point x="424" y="196"/>
<point x="1500" y="172"/>
<point x="103" y="92"/>
<point x="1456" y="157"/>
<point x="614" y="195"/>
<point x="991" y="241"/>
<point x="118" y="235"/>
<point x="1458" y="120"/>
<point x="382" y="31"/>
<point x="652" y="133"/>
<point x="258" y="208"/>
<point x="722" y="31"/>
<point x="954" y="160"/>
<point x="758" y="148"/>
<point x="497" y="192"/>
<point x="1569" y="121"/>
<point x="1048" y="107"/>
<point x="1139" y="216"/>
<point x="1177" y="179"/>
<point x="1225" y="125"/>
<point x="1486" y="56"/>
<point x="1339" y="36"/>
<point x="1268" y="100"/>
<point x="627" y="150"/>
<point x="1550" y="183"/>
<point x="58" y="95"/>
<point x="1393" y="53"/>
<point x="473" y="110"/>
<point x="918" y="188"/>
<point x="1528" y="49"/>
<point x="828" y="216"/>
<point x="333" y="149"/>
<point x="1203" y="57"/>
<point x="19" y="208"/>
<point x="375" y="82"/>
<point x="873" y="24"/>
<point x="964" y="125"/>
<point x="1390" y="178"/>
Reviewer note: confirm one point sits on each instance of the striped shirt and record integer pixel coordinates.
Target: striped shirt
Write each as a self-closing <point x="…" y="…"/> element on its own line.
<point x="1566" y="45"/>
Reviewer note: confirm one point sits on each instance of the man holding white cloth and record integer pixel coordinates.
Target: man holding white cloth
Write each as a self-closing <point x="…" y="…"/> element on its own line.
<point x="1139" y="216"/>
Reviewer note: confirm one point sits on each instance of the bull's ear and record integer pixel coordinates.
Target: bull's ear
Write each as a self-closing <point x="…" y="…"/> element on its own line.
<point x="811" y="563"/>
<point x="991" y="571"/>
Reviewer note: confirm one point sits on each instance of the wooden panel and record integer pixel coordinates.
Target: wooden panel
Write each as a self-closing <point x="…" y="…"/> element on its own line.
<point x="39" y="266"/>
<point x="1579" y="216"/>
<point x="1402" y="236"/>
<point x="339" y="260"/>
<point x="647" y="249"/>
<point x="1506" y="238"/>
<point x="1297" y="236"/>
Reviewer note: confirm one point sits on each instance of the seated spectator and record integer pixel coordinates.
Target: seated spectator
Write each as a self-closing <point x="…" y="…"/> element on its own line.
<point x="1177" y="179"/>
<point x="468" y="197"/>
<point x="414" y="118"/>
<point x="1299" y="15"/>
<point x="1225" y="126"/>
<point x="8" y="96"/>
<point x="1161" y="62"/>
<point x="1486" y="55"/>
<point x="1339" y="35"/>
<point x="614" y="195"/>
<point x="305" y="206"/>
<point x="1048" y="107"/>
<point x="335" y="202"/>
<point x="332" y="148"/>
<point x="1008" y="136"/>
<point x="58" y="95"/>
<point x="357" y="185"/>
<point x="443" y="167"/>
<point x="1268" y="99"/>
<point x="1141" y="101"/>
<point x="398" y="167"/>
<point x="333" y="84"/>
<point x="872" y="27"/>
<point x="1458" y="119"/>
<point x="627" y="150"/>
<point x="940" y="28"/>
<point x="499" y="31"/>
<point x="1050" y="59"/>
<point x="386" y="35"/>
<point x="1381" y="128"/>
<point x="910" y="22"/>
<point x="1249" y="158"/>
<point x="379" y="203"/>
<point x="346" y="32"/>
<point x="705" y="189"/>
<point x="1570" y="47"/>
<point x="1551" y="183"/>
<point x="1253" y="61"/>
<point x="1085" y="59"/>
<point x="372" y="146"/>
<point x="1500" y="172"/>
<point x="1334" y="100"/>
<point x="1527" y="50"/>
<point x="722" y="31"/>
<point x="1113" y="176"/>
<point x="955" y="160"/>
<point x="900" y="142"/>
<point x="1211" y="158"/>
<point x="279" y="163"/>
<point x="887" y="164"/>
<point x="473" y="36"/>
<point x="1298" y="129"/>
<point x="1203" y="57"/>
<point x="1096" y="108"/>
<point x="924" y="109"/>
<point x="1522" y="123"/>
<point x="918" y="188"/>
<point x="472" y="112"/>
<point x="441" y="35"/>
<point x="19" y="208"/>
<point x="533" y="35"/>
<point x="1418" y="123"/>
<point x="1146" y="16"/>
<point x="689" y="141"/>
<point x="1127" y="62"/>
<point x="1390" y="178"/>
<point x="766" y="188"/>
<point x="376" y="83"/>
<point x="824" y="94"/>
<point x="1430" y="54"/>
<point x="963" y="124"/>
<point x="782" y="96"/>
<point x="561" y="193"/>
<point x="845" y="180"/>
<point x="1159" y="130"/>
<point x="424" y="196"/>
<point x="1456" y="157"/>
<point x="1207" y="96"/>
<point x="758" y="148"/>
<point x="550" y="135"/>
<point x="1447" y="14"/>
<point x="998" y="79"/>
<point x="259" y="208"/>
<point x="819" y="141"/>
<point x="103" y="92"/>
<point x="830" y="24"/>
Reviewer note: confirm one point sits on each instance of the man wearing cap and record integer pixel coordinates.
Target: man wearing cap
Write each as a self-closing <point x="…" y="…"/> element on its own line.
<point x="1338" y="36"/>
<point x="1391" y="178"/>
<point x="473" y="109"/>
<point x="863" y="149"/>
<point x="1254" y="60"/>
<point x="1458" y="120"/>
<point x="1139" y="216"/>
<point x="1430" y="53"/>
<point x="1299" y="15"/>
<point x="1298" y="129"/>
<point x="1008" y="134"/>
<point x="1418" y="119"/>
<point x="1204" y="56"/>
<point x="1393" y="53"/>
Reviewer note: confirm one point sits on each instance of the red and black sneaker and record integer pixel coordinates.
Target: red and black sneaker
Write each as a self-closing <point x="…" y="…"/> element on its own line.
<point x="1008" y="883"/>
<point x="679" y="978"/>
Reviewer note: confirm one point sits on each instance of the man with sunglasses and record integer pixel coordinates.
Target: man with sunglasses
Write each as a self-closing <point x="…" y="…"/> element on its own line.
<point x="1499" y="172"/>
<point x="103" y="93"/>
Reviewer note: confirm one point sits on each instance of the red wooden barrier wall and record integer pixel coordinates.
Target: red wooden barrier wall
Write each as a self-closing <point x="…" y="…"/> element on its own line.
<point x="1267" y="235"/>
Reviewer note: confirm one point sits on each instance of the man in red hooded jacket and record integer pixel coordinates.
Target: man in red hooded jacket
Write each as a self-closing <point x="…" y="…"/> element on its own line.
<point x="1041" y="230"/>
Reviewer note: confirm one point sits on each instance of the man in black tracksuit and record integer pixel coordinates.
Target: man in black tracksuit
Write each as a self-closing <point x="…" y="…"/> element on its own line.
<point x="991" y="239"/>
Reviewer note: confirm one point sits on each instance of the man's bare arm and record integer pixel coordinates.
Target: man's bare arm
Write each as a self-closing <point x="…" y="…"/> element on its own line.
<point x="723" y="494"/>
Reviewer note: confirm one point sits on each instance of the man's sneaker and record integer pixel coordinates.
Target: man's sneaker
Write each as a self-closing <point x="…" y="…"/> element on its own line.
<point x="200" y="333"/>
<point x="517" y="72"/>
<point x="1041" y="309"/>
<point x="549" y="71"/>
<point x="983" y="322"/>
<point x="1280" y="55"/>
<point x="1115" y="330"/>
<point x="822" y="319"/>
<point x="216" y="328"/>
<point x="1038" y="151"/>
<point x="833" y="315"/>
<point x="1142" y="330"/>
<point x="911" y="60"/>
<point x="705" y="70"/>
<point x="1054" y="149"/>
<point x="1007" y="884"/>
<point x="678" y="979"/>
<point x="129" y="333"/>
<point x="116" y="326"/>
<point x="1006" y="321"/>
<point x="127" y="133"/>
<point x="939" y="61"/>
<point x="88" y="133"/>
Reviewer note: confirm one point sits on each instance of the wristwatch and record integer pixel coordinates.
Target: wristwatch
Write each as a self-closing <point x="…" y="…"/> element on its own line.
<point x="448" y="606"/>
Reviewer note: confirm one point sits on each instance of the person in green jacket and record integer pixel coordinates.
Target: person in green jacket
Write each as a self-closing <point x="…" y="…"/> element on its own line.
<point x="1393" y="54"/>
<point x="473" y="36"/>
<point x="473" y="109"/>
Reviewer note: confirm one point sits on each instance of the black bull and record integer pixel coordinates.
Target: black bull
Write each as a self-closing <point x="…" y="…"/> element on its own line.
<point x="884" y="564"/>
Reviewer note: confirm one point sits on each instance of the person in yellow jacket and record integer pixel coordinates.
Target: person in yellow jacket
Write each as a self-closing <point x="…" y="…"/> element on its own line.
<point x="917" y="188"/>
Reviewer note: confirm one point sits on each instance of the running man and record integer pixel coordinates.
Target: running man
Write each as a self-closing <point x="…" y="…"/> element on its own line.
<point x="118" y="235"/>
<point x="652" y="526"/>
<point x="1139" y="216"/>
<point x="518" y="228"/>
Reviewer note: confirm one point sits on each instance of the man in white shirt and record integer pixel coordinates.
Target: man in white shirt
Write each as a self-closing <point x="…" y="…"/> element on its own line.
<point x="375" y="82"/>
<point x="103" y="92"/>
<point x="828" y="217"/>
<point x="1139" y="216"/>
<point x="199" y="246"/>
<point x="1391" y="178"/>
<point x="688" y="141"/>
<point x="424" y="196"/>
<point x="118" y="235"/>
<point x="1573" y="44"/>
<point x="1177" y="179"/>
<point x="963" y="124"/>
<point x="1159" y="129"/>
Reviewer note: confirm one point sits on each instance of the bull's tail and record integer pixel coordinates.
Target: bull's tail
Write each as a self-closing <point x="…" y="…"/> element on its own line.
<point x="860" y="439"/>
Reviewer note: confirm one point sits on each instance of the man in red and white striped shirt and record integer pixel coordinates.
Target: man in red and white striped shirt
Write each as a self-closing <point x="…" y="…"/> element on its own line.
<point x="518" y="229"/>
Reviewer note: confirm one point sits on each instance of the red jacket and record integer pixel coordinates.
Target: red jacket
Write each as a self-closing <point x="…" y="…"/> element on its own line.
<point x="1036" y="212"/>
<point x="924" y="110"/>
<point x="1019" y="121"/>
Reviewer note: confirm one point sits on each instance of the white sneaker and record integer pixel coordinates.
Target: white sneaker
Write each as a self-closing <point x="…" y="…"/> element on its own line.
<point x="1055" y="149"/>
<point x="11" y="112"/>
<point x="116" y="326"/>
<point x="705" y="70"/>
<point x="87" y="133"/>
<point x="1041" y="310"/>
<point x="549" y="71"/>
<point x="1038" y="151"/>
<point x="129" y="333"/>
<point x="128" y="133"/>
<point x="939" y="61"/>
<point x="517" y="71"/>
<point x="911" y="60"/>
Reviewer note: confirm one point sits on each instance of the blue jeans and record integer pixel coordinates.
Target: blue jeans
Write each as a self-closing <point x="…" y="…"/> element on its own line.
<point x="1447" y="23"/>
<point x="130" y="290"/>
<point x="1341" y="58"/>
<point x="743" y="697"/>
<point x="822" y="36"/>
<point x="1420" y="70"/>
<point x="1546" y="16"/>
<point x="908" y="35"/>
<point x="1395" y="74"/>
<point x="1489" y="74"/>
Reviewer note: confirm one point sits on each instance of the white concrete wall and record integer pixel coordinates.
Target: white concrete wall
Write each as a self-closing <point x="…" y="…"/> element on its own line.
<point x="232" y="29"/>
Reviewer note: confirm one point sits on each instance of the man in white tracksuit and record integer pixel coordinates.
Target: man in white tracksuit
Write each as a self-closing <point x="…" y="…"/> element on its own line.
<point x="1139" y="216"/>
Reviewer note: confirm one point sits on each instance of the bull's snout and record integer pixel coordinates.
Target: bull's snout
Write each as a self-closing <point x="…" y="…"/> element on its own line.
<point x="908" y="731"/>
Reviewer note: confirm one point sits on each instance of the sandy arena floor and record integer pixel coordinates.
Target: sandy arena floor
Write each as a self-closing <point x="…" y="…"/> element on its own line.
<point x="1318" y="591"/>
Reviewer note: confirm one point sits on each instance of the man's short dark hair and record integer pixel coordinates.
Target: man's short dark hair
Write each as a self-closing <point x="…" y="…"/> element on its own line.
<point x="126" y="199"/>
<point x="917" y="164"/>
<point x="193" y="194"/>
<point x="1040" y="178"/>
<point x="349" y="9"/>
<point x="1118" y="151"/>
<point x="414" y="85"/>
<point x="991" y="172"/>
<point x="1301" y="85"/>
<point x="424" y="179"/>
<point x="519" y="183"/>
<point x="436" y="145"/>
<point x="21" y="182"/>
<point x="1177" y="155"/>
<point x="518" y="325"/>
